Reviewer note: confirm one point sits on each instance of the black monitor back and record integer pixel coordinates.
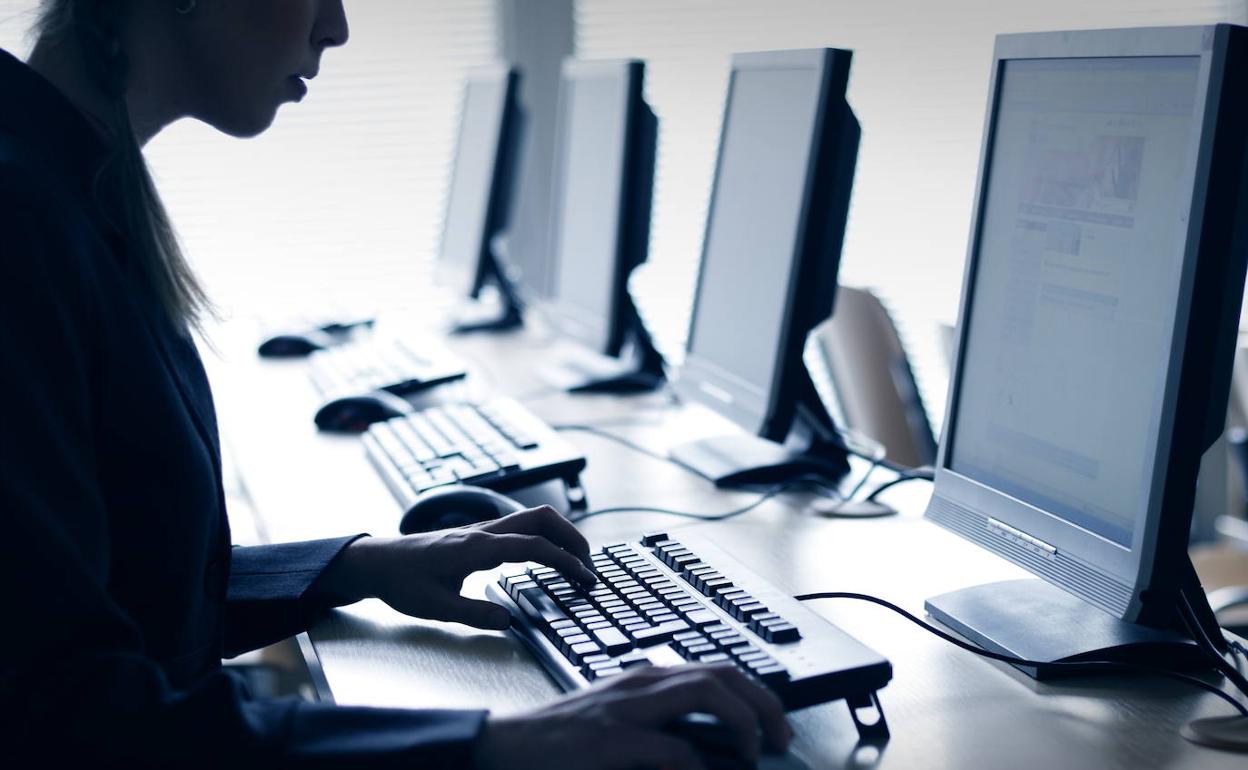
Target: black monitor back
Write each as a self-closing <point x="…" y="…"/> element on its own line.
<point x="479" y="199"/>
<point x="604" y="181"/>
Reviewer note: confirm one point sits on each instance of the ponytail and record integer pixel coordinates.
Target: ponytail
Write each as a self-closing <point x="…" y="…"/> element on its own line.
<point x="122" y="184"/>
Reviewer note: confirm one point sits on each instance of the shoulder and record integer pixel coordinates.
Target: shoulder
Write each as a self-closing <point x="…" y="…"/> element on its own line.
<point x="35" y="195"/>
<point x="50" y="249"/>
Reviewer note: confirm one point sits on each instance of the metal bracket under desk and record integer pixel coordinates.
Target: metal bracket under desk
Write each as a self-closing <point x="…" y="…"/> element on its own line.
<point x="315" y="671"/>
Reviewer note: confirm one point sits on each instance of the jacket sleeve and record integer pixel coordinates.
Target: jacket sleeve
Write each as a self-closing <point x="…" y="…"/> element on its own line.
<point x="75" y="680"/>
<point x="272" y="592"/>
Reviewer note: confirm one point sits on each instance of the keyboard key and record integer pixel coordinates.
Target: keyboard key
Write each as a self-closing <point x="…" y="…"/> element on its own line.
<point x="613" y="640"/>
<point x="538" y="605"/>
<point x="582" y="649"/>
<point x="659" y="634"/>
<point x="780" y="634"/>
<point x="744" y="612"/>
<point x="773" y="674"/>
<point x="651" y="539"/>
<point x="702" y="617"/>
<point x="604" y="673"/>
<point x="729" y="640"/>
<point x="633" y="659"/>
<point x="589" y="660"/>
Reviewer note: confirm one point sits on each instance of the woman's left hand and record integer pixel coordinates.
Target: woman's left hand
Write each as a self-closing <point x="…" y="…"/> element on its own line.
<point x="422" y="575"/>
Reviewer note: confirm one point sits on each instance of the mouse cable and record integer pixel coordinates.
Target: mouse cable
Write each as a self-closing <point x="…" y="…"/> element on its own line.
<point x="810" y="481"/>
<point x="923" y="472"/>
<point x="597" y="430"/>
<point x="876" y="460"/>
<point x="827" y="486"/>
<point x="1187" y="613"/>
<point x="1238" y="649"/>
<point x="1091" y="665"/>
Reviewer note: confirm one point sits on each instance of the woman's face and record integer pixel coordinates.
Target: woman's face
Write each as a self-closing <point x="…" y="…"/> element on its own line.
<point x="245" y="58"/>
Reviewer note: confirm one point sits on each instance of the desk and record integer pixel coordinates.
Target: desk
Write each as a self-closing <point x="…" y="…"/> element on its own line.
<point x="946" y="708"/>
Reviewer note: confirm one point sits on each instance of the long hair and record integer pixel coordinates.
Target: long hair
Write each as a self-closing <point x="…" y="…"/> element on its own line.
<point x="122" y="184"/>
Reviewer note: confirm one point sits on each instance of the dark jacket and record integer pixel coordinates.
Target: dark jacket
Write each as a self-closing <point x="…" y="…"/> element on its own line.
<point x="119" y="588"/>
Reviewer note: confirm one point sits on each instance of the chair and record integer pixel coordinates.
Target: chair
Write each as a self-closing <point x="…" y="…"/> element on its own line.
<point x="870" y="378"/>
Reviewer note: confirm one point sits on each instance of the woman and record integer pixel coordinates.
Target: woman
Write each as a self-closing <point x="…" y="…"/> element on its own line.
<point x="120" y="587"/>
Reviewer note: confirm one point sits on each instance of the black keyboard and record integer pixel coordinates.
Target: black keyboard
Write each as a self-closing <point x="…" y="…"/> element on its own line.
<point x="391" y="365"/>
<point x="659" y="603"/>
<point x="498" y="444"/>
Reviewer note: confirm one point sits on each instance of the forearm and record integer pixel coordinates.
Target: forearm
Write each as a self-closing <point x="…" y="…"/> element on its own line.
<point x="276" y="591"/>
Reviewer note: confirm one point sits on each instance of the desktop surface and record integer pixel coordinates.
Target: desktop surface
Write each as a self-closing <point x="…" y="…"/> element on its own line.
<point x="946" y="708"/>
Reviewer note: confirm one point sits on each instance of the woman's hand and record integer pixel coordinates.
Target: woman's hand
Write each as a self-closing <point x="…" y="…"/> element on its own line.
<point x="618" y="724"/>
<point x="421" y="575"/>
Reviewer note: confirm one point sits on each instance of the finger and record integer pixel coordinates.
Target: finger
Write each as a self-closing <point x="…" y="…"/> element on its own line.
<point x="548" y="523"/>
<point x="504" y="549"/>
<point x="767" y="706"/>
<point x="694" y="691"/>
<point x="651" y="748"/>
<point x="471" y="612"/>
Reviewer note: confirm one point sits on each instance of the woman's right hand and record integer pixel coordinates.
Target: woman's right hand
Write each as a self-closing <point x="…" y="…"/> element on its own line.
<point x="618" y="724"/>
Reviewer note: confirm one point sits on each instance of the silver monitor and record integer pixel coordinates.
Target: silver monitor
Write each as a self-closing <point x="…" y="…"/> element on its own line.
<point x="1098" y="316"/>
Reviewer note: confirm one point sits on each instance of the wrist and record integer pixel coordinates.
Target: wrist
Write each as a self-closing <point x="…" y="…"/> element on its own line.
<point x="347" y="578"/>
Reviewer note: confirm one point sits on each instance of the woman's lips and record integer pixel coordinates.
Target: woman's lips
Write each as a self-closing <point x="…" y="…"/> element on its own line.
<point x="299" y="88"/>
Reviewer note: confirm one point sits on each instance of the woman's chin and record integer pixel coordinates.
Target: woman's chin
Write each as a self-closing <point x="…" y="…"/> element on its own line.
<point x="243" y="124"/>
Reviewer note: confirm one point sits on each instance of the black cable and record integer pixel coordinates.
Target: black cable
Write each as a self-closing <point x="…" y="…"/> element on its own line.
<point x="1195" y="630"/>
<point x="851" y="494"/>
<point x="767" y="495"/>
<point x="925" y="473"/>
<point x="1092" y="665"/>
<point x="633" y="445"/>
<point x="596" y="430"/>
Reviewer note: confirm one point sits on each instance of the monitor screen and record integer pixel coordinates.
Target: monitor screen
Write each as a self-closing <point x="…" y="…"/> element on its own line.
<point x="471" y="181"/>
<point x="752" y="229"/>
<point x="1072" y="306"/>
<point x="591" y="162"/>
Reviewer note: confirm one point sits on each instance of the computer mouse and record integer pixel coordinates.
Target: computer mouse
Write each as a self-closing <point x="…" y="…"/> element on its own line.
<point x="295" y="345"/>
<point x="715" y="743"/>
<point x="353" y="414"/>
<point x="455" y="506"/>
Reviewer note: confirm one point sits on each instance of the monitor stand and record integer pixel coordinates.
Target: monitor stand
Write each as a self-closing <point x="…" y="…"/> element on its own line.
<point x="1035" y="620"/>
<point x="813" y="448"/>
<point x="509" y="316"/>
<point x="638" y="369"/>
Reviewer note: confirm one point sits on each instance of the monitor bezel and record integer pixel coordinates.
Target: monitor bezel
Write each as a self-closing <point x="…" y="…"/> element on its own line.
<point x="703" y="380"/>
<point x="468" y="279"/>
<point x="1094" y="558"/>
<point x="601" y="331"/>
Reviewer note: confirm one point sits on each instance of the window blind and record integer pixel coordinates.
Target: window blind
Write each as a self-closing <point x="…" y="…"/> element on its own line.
<point x="919" y="87"/>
